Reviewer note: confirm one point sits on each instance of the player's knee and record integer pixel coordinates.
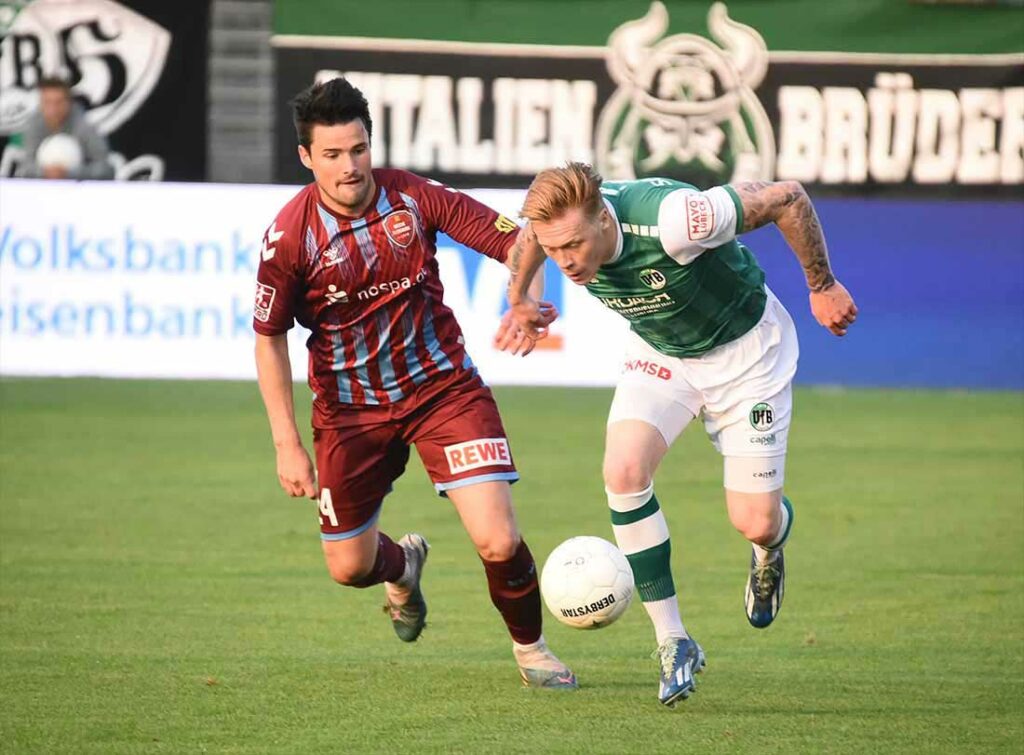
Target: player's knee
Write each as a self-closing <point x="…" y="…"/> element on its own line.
<point x="756" y="524"/>
<point x="500" y="547"/>
<point x="758" y="530"/>
<point x="345" y="575"/>
<point x="346" y="571"/>
<point x="625" y="475"/>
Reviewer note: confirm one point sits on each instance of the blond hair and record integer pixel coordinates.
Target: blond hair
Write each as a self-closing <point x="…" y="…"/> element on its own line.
<point x="557" y="190"/>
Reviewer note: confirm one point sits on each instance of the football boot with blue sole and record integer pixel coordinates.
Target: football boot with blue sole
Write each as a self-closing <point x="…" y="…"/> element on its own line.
<point x="765" y="587"/>
<point x="681" y="659"/>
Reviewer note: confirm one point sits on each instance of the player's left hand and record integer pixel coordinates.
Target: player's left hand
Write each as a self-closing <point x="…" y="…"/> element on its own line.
<point x="511" y="337"/>
<point x="833" y="308"/>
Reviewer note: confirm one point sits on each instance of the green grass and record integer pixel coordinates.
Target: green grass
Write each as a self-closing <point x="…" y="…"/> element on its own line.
<point x="159" y="594"/>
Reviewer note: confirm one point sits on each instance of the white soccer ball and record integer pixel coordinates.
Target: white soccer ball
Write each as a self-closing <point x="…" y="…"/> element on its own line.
<point x="587" y="583"/>
<point x="60" y="151"/>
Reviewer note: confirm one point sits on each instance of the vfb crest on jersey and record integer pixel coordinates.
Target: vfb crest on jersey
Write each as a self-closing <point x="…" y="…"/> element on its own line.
<point x="685" y="107"/>
<point x="653" y="278"/>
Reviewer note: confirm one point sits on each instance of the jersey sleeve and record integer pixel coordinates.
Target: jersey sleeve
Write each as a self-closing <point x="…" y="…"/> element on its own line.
<point x="277" y="284"/>
<point x="691" y="221"/>
<point x="466" y="220"/>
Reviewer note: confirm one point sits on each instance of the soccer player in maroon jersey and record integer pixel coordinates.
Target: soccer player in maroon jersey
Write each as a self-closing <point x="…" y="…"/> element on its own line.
<point x="352" y="258"/>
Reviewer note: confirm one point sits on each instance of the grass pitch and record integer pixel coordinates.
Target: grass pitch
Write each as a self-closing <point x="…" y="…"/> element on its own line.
<point x="160" y="594"/>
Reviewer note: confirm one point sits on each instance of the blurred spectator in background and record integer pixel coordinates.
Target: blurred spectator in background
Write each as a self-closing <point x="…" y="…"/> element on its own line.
<point x="59" y="142"/>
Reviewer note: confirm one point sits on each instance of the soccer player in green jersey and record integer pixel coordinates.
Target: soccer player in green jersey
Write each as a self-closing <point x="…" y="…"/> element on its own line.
<point x="707" y="337"/>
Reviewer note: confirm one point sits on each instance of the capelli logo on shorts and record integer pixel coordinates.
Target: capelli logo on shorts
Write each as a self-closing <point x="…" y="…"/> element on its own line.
<point x="766" y="475"/>
<point x="473" y="454"/>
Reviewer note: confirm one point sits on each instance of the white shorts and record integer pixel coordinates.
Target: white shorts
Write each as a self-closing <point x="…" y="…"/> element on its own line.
<point x="743" y="388"/>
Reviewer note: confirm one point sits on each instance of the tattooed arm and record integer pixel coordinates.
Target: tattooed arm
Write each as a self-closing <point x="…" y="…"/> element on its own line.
<point x="525" y="263"/>
<point x="528" y="318"/>
<point x="786" y="204"/>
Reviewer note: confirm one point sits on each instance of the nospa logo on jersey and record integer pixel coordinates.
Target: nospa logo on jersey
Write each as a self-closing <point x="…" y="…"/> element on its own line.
<point x="112" y="56"/>
<point x="685" y="108"/>
<point x="334" y="296"/>
<point x="387" y="287"/>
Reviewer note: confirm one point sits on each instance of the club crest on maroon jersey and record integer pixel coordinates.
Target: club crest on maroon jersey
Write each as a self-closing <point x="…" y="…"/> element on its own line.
<point x="400" y="227"/>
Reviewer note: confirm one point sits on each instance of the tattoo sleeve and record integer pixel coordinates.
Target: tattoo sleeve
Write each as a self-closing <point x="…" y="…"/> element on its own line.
<point x="786" y="204"/>
<point x="525" y="258"/>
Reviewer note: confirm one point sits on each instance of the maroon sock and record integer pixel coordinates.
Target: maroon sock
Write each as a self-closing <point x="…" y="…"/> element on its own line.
<point x="389" y="565"/>
<point x="516" y="595"/>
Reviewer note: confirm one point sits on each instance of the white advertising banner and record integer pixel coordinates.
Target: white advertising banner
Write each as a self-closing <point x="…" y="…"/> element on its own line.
<point x="157" y="280"/>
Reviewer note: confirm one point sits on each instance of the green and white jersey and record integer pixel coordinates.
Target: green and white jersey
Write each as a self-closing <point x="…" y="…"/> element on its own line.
<point x="678" y="274"/>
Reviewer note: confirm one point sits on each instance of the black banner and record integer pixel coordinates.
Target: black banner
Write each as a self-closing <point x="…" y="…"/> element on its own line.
<point x="137" y="67"/>
<point x="683" y="106"/>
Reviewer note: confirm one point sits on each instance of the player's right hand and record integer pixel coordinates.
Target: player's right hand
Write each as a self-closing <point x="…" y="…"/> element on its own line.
<point x="534" y="317"/>
<point x="511" y="336"/>
<point x="295" y="471"/>
<point x="834" y="309"/>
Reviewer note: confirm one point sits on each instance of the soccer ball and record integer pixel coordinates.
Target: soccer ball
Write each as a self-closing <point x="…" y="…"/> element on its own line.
<point x="587" y="583"/>
<point x="60" y="151"/>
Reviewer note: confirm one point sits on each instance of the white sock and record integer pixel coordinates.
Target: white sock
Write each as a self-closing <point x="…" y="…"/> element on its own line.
<point x="405" y="582"/>
<point x="639" y="527"/>
<point x="536" y="655"/>
<point x="538" y="645"/>
<point x="666" y="619"/>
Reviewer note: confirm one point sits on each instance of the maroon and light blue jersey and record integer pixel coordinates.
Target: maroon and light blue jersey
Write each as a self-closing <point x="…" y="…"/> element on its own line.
<point x="368" y="288"/>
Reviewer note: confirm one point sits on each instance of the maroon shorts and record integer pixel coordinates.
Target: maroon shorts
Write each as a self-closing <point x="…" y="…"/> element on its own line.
<point x="457" y="432"/>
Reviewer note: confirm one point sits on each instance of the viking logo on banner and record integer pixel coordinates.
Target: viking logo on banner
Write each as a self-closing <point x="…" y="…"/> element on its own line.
<point x="685" y="107"/>
<point x="116" y="59"/>
<point x="707" y="110"/>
